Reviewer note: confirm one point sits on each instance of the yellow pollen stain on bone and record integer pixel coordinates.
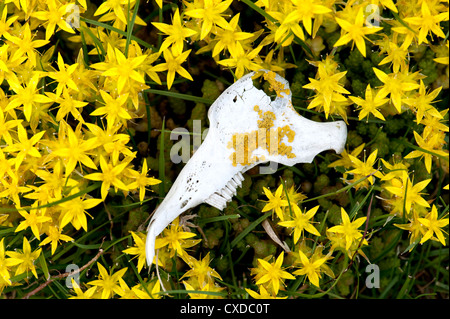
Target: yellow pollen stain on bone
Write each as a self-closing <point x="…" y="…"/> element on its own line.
<point x="275" y="85"/>
<point x="267" y="137"/>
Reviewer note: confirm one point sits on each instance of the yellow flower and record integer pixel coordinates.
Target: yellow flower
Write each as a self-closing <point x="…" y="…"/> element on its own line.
<point x="176" y="33"/>
<point x="427" y="22"/>
<point x="5" y="25"/>
<point x="116" y="6"/>
<point x="27" y="96"/>
<point x="73" y="149"/>
<point x="275" y="202"/>
<point x="109" y="176"/>
<point x="444" y="59"/>
<point x="345" y="161"/>
<point x="208" y="287"/>
<point x="126" y="70"/>
<point x="32" y="220"/>
<point x="301" y="221"/>
<point x="433" y="226"/>
<point x="115" y="109"/>
<point x="64" y="76"/>
<point x="210" y="14"/>
<point x="153" y="287"/>
<point x="138" y="249"/>
<point x="427" y="145"/>
<point x="25" y="259"/>
<point x="174" y="237"/>
<point x="310" y="268"/>
<point x="397" y="170"/>
<point x="395" y="84"/>
<point x="410" y="194"/>
<point x="242" y="60"/>
<point x="306" y="10"/>
<point x="24" y="147"/>
<point x="397" y="56"/>
<point x="172" y="65"/>
<point x="54" y="16"/>
<point x="25" y="45"/>
<point x="5" y="264"/>
<point x="348" y="228"/>
<point x="362" y="169"/>
<point x="228" y="37"/>
<point x="271" y="274"/>
<point x="370" y="104"/>
<point x="289" y="24"/>
<point x="263" y="294"/>
<point x="355" y="32"/>
<point x="74" y="211"/>
<point x="421" y="103"/>
<point x="54" y="237"/>
<point x="328" y="90"/>
<point x="67" y="104"/>
<point x="108" y="283"/>
<point x="80" y="294"/>
<point x="141" y="180"/>
<point x="415" y="228"/>
<point x="200" y="269"/>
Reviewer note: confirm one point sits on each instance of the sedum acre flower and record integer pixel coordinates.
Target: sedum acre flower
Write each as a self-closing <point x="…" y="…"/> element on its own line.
<point x="24" y="260"/>
<point x="138" y="249"/>
<point x="275" y="201"/>
<point x="107" y="283"/>
<point x="348" y="228"/>
<point x="355" y="31"/>
<point x="433" y="226"/>
<point x="301" y="221"/>
<point x="271" y="274"/>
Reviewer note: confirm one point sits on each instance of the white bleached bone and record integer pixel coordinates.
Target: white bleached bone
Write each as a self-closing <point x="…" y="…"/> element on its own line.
<point x="247" y="128"/>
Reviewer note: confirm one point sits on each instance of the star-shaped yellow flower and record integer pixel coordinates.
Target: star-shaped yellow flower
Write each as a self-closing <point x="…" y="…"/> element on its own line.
<point x="275" y="202"/>
<point x="355" y="32"/>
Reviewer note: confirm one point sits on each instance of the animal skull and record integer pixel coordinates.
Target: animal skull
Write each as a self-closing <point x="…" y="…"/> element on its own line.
<point x="247" y="128"/>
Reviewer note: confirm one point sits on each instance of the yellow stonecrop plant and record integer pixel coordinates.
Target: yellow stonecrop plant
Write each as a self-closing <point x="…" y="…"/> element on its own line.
<point x="76" y="78"/>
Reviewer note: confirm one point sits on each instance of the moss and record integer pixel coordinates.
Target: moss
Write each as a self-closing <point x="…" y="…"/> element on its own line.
<point x="334" y="215"/>
<point x="240" y="225"/>
<point x="321" y="182"/>
<point x="198" y="113"/>
<point x="308" y="168"/>
<point x="354" y="60"/>
<point x="246" y="187"/>
<point x="177" y="105"/>
<point x="381" y="143"/>
<point x="420" y="171"/>
<point x="136" y="217"/>
<point x="222" y="264"/>
<point x="428" y="67"/>
<point x="396" y="145"/>
<point x="354" y="139"/>
<point x="325" y="203"/>
<point x="288" y="177"/>
<point x="210" y="90"/>
<point x="206" y="211"/>
<point x="346" y="281"/>
<point x="394" y="125"/>
<point x="359" y="87"/>
<point x="251" y="239"/>
<point x="257" y="190"/>
<point x="213" y="236"/>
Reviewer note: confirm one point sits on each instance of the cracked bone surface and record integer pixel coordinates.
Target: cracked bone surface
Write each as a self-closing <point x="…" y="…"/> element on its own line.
<point x="247" y="128"/>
